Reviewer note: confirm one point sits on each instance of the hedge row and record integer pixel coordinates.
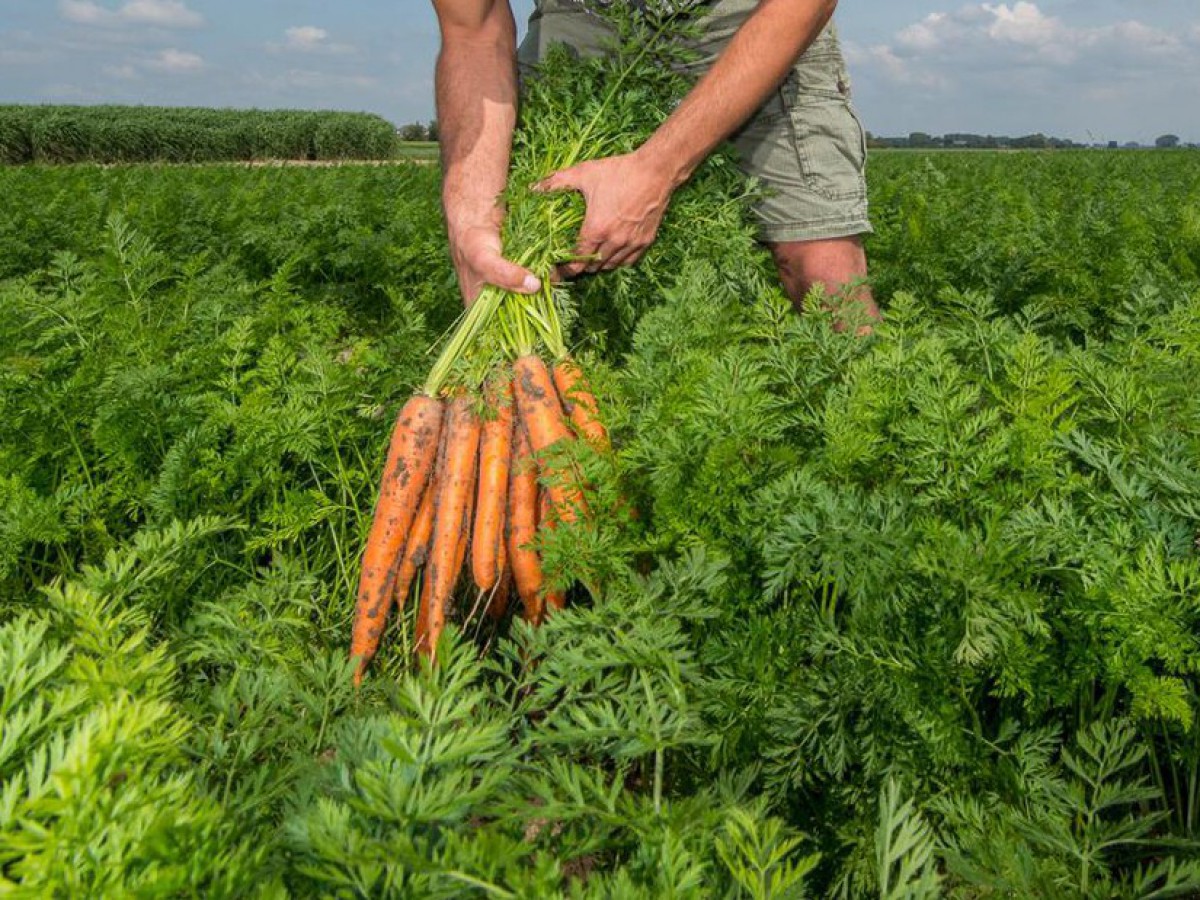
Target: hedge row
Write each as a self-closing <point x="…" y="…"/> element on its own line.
<point x="69" y="134"/>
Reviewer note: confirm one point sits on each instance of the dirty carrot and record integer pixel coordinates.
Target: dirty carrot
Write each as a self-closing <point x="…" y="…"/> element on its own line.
<point x="460" y="555"/>
<point x="410" y="463"/>
<point x="522" y="528"/>
<point x="452" y="521"/>
<point x="541" y="414"/>
<point x="412" y="558"/>
<point x="495" y="455"/>
<point x="580" y="403"/>
<point x="498" y="599"/>
<point x="551" y="599"/>
<point x="417" y="549"/>
<point x="538" y="403"/>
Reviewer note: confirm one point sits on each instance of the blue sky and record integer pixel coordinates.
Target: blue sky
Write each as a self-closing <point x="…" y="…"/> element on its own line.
<point x="1086" y="69"/>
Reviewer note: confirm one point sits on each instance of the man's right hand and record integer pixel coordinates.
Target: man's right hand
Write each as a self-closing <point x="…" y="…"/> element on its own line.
<point x="476" y="90"/>
<point x="478" y="260"/>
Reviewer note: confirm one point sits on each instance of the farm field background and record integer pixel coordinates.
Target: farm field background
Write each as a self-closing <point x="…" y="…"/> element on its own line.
<point x="911" y="615"/>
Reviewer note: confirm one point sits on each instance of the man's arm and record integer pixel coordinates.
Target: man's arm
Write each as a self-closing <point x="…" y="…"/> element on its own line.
<point x="476" y="90"/>
<point x="627" y="195"/>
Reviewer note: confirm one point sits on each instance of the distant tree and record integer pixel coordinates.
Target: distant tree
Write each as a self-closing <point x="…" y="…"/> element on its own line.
<point x="1031" y="141"/>
<point x="413" y="131"/>
<point x="968" y="140"/>
<point x="955" y="139"/>
<point x="1167" y="141"/>
<point x="431" y="130"/>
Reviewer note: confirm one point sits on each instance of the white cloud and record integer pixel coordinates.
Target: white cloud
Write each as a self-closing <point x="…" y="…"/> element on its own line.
<point x="305" y="37"/>
<point x="157" y="13"/>
<point x="84" y="12"/>
<point x="176" y="62"/>
<point x="1025" y="66"/>
<point x="126" y="72"/>
<point x="942" y="31"/>
<point x="898" y="69"/>
<point x="164" y="13"/>
<point x="1001" y="36"/>
<point x="1024" y="23"/>
<point x="925" y="35"/>
<point x="308" y="39"/>
<point x="1153" y="41"/>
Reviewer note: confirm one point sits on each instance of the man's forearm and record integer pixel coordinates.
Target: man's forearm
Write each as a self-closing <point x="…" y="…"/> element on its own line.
<point x="754" y="63"/>
<point x="476" y="91"/>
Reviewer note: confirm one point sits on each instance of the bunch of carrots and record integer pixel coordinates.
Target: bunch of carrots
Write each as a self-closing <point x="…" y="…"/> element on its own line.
<point x="470" y="476"/>
<point x="469" y="471"/>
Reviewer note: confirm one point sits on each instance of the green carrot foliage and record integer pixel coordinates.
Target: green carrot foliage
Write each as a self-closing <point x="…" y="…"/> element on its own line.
<point x="907" y="615"/>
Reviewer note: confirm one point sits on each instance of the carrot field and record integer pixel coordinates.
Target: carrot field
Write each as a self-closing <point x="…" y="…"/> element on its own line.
<point x="916" y="614"/>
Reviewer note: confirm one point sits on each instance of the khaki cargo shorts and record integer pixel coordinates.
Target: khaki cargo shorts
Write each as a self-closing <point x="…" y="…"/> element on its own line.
<point x="805" y="144"/>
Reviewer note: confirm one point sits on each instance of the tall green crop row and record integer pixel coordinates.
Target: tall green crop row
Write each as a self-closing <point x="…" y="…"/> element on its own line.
<point x="1062" y="237"/>
<point x="912" y="615"/>
<point x="134" y="134"/>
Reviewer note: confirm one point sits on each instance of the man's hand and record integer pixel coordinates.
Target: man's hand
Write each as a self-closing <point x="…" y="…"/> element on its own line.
<point x="476" y="90"/>
<point x="626" y="198"/>
<point x="478" y="260"/>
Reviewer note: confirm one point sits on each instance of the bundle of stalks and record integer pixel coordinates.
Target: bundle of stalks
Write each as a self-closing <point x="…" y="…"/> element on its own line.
<point x="471" y="472"/>
<point x="472" y="477"/>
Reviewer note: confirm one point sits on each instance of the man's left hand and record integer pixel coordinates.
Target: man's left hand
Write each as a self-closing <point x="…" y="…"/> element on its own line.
<point x="626" y="197"/>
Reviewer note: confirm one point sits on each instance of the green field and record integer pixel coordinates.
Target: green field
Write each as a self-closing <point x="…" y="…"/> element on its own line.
<point x="50" y="134"/>
<point x="911" y="615"/>
<point x="421" y="150"/>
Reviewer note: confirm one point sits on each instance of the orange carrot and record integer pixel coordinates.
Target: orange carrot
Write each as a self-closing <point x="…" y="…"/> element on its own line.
<point x="460" y="555"/>
<point x="522" y="528"/>
<point x="552" y="599"/>
<point x="452" y="521"/>
<point x="421" y="622"/>
<point x="555" y="600"/>
<point x="541" y="415"/>
<point x="580" y="403"/>
<point x="410" y="463"/>
<point x="418" y="546"/>
<point x="498" y="598"/>
<point x="495" y="456"/>
<point x="538" y="403"/>
<point x="406" y="567"/>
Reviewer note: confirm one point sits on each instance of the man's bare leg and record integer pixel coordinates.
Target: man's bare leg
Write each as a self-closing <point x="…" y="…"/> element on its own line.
<point x="838" y="264"/>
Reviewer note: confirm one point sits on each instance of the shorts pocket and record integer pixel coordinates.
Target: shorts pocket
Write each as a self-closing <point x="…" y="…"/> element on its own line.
<point x="831" y="148"/>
